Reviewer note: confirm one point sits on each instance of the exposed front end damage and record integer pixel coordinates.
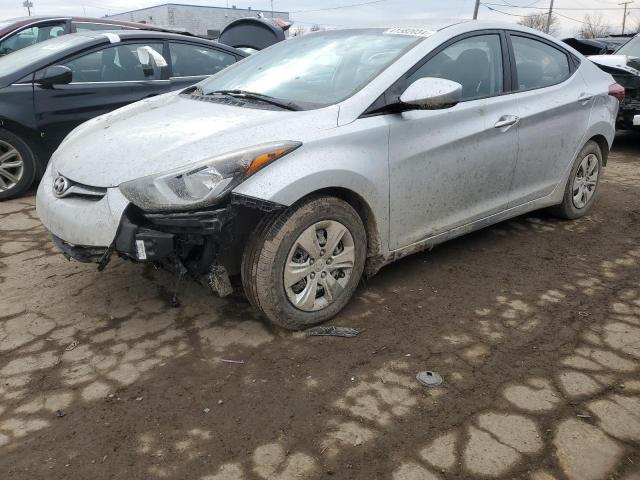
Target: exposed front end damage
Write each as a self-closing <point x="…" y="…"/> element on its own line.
<point x="204" y="244"/>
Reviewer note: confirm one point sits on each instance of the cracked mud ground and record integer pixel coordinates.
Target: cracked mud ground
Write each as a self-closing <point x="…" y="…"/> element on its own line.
<point x="534" y="324"/>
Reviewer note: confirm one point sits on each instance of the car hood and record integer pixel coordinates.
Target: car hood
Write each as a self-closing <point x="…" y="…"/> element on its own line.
<point x="173" y="130"/>
<point x="616" y="63"/>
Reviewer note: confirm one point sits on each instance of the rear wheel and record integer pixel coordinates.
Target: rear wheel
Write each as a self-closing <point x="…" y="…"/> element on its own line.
<point x="302" y="266"/>
<point x="17" y="166"/>
<point x="580" y="191"/>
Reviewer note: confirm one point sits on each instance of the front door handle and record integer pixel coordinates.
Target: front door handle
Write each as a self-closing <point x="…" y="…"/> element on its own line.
<point x="506" y="121"/>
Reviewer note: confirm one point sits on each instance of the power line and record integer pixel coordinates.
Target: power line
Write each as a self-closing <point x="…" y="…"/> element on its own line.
<point x="519" y="6"/>
<point x="373" y="2"/>
<point x="520" y="16"/>
<point x="560" y="8"/>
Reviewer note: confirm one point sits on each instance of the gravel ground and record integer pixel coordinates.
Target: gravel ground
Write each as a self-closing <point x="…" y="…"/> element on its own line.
<point x="534" y="324"/>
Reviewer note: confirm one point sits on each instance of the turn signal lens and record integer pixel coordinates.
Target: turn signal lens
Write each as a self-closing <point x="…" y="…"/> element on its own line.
<point x="266" y="158"/>
<point x="617" y="90"/>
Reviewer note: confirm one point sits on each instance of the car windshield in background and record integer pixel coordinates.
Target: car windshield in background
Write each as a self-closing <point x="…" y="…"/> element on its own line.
<point x="25" y="56"/>
<point x="315" y="70"/>
<point x="631" y="48"/>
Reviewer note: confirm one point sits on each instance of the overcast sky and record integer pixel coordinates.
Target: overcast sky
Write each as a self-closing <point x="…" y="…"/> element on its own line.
<point x="381" y="12"/>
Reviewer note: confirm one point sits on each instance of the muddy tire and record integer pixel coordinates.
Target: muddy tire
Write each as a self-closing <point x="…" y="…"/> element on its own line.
<point x="582" y="186"/>
<point x="17" y="166"/>
<point x="301" y="266"/>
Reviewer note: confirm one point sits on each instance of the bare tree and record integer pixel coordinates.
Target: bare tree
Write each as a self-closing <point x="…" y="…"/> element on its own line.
<point x="594" y="26"/>
<point x="538" y="21"/>
<point x="298" y="31"/>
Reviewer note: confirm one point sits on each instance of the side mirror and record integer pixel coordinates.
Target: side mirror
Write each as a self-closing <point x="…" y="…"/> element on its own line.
<point x="148" y="57"/>
<point x="55" y="75"/>
<point x="431" y="93"/>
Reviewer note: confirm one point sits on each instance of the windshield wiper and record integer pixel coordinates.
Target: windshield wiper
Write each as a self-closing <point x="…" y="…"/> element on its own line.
<point x="257" y="96"/>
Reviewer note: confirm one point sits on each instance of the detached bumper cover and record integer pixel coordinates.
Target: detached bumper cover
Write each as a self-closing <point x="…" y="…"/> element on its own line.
<point x="80" y="253"/>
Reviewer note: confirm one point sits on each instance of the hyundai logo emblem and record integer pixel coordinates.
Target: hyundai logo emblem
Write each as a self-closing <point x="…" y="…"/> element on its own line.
<point x="60" y="186"/>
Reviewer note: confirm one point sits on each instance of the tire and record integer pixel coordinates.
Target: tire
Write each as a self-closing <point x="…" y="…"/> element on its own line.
<point x="275" y="244"/>
<point x="570" y="208"/>
<point x="15" y="180"/>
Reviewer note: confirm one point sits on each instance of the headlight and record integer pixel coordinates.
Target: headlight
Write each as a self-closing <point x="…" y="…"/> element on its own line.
<point x="202" y="184"/>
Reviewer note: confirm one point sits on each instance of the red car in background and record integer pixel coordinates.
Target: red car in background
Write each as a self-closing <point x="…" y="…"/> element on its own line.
<point x="17" y="33"/>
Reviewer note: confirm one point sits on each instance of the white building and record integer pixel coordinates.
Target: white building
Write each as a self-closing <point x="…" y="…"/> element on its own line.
<point x="197" y="19"/>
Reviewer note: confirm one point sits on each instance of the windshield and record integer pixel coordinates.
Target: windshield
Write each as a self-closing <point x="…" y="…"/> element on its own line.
<point x="631" y="48"/>
<point x="314" y="70"/>
<point x="34" y="53"/>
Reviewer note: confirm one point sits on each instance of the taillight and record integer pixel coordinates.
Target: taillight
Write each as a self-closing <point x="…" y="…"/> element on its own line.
<point x="617" y="90"/>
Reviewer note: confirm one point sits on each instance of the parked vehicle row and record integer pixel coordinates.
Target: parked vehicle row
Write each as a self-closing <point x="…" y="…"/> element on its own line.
<point x="50" y="88"/>
<point x="330" y="155"/>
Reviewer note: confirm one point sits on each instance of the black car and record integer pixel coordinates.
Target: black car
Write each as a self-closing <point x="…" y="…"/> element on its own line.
<point x="49" y="88"/>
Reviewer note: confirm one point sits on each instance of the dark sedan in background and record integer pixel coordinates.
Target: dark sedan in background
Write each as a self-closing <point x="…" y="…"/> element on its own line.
<point x="49" y="88"/>
<point x="22" y="32"/>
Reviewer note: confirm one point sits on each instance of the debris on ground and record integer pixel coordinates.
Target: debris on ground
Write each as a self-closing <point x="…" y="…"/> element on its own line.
<point x="72" y="345"/>
<point x="331" y="331"/>
<point x="60" y="413"/>
<point x="225" y="360"/>
<point x="138" y="399"/>
<point x="429" y="378"/>
<point x="206" y="410"/>
<point x="220" y="402"/>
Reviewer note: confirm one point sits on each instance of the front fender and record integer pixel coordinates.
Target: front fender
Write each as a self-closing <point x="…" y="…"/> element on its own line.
<point x="352" y="158"/>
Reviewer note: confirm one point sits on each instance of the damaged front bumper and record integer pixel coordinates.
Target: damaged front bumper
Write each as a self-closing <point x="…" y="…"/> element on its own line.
<point x="207" y="244"/>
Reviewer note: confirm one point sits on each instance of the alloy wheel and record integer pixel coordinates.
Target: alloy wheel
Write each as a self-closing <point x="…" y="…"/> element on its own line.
<point x="319" y="265"/>
<point x="11" y="166"/>
<point x="585" y="181"/>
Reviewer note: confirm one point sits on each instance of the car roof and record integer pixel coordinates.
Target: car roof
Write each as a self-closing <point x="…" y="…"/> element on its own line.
<point x="19" y="22"/>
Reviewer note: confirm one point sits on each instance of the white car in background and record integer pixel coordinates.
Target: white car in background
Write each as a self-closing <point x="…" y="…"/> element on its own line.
<point x="333" y="154"/>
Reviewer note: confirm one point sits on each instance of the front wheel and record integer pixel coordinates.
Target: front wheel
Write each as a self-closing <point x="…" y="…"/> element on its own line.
<point x="581" y="188"/>
<point x="302" y="266"/>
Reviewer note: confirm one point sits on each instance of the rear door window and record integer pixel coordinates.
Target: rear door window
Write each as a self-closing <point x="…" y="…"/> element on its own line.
<point x="538" y="64"/>
<point x="190" y="60"/>
<point x="114" y="64"/>
<point x="31" y="36"/>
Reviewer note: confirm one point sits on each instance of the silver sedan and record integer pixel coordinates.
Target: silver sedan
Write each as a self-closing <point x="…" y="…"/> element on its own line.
<point x="299" y="169"/>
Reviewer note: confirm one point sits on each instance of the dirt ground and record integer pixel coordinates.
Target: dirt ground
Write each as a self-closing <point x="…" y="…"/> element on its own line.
<point x="534" y="324"/>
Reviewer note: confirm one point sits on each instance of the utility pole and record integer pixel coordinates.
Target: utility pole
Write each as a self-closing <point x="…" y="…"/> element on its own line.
<point x="28" y="5"/>
<point x="271" y="8"/>
<point x="549" y="17"/>
<point x="624" y="17"/>
<point x="475" y="10"/>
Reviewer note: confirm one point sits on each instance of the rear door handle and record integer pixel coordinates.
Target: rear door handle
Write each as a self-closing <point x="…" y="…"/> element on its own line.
<point x="506" y="121"/>
<point x="585" y="98"/>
